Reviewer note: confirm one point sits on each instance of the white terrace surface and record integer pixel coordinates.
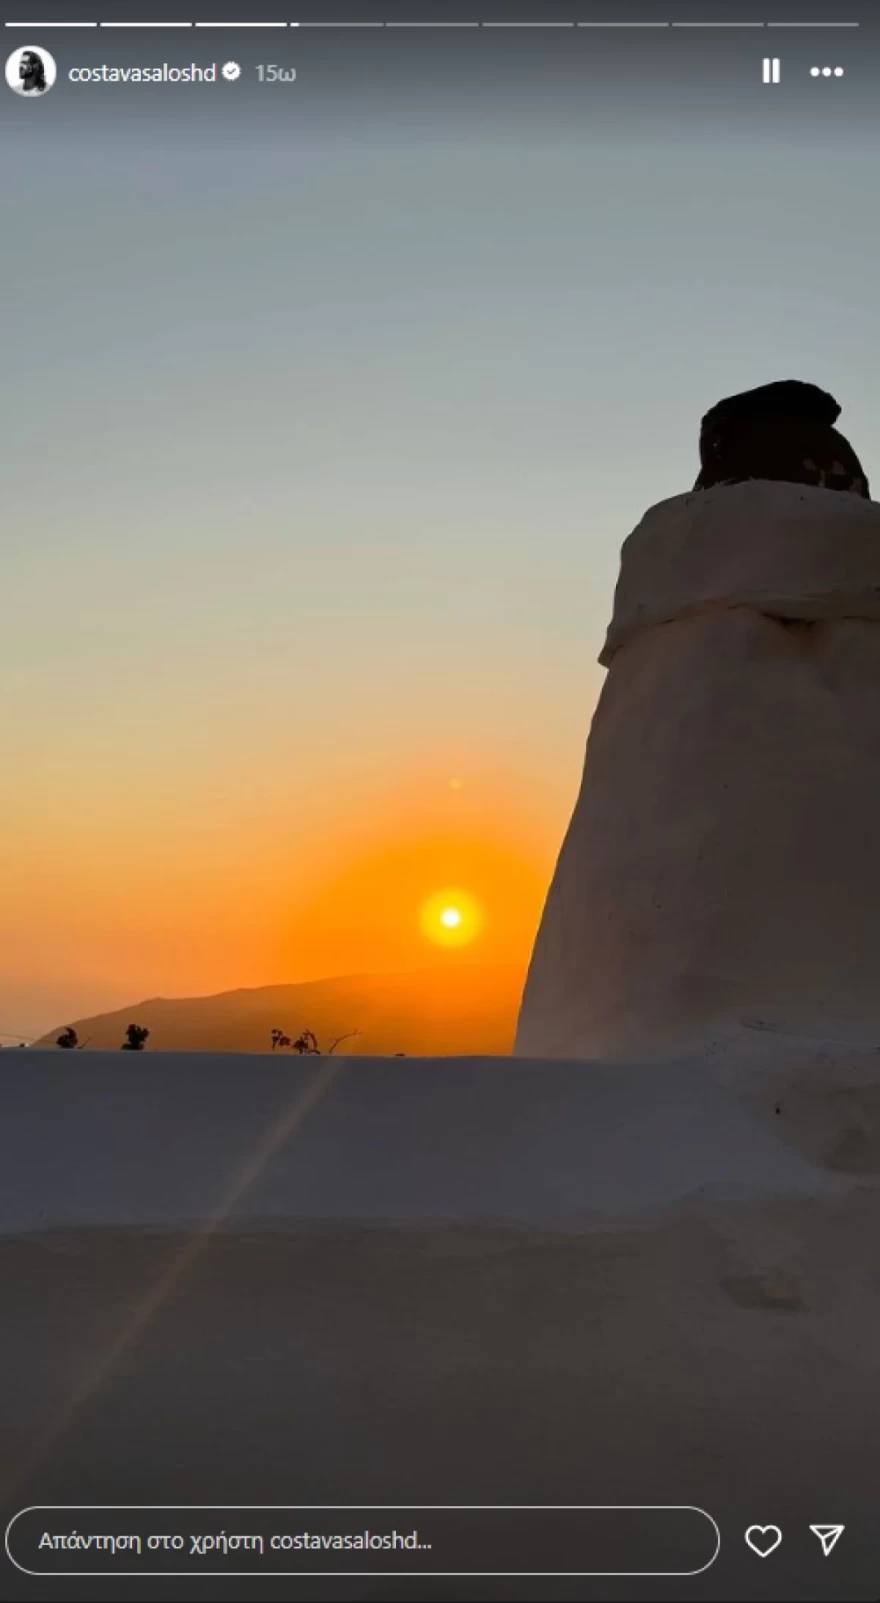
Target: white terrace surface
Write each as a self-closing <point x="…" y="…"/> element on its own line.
<point x="263" y="1280"/>
<point x="172" y="1139"/>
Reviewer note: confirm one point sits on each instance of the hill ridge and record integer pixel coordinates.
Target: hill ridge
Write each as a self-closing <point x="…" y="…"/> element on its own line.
<point x="436" y="1010"/>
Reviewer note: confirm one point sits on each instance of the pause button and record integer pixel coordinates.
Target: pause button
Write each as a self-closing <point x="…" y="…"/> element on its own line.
<point x="770" y="70"/>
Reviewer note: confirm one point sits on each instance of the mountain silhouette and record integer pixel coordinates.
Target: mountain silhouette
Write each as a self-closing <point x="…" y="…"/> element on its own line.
<point x="456" y="1009"/>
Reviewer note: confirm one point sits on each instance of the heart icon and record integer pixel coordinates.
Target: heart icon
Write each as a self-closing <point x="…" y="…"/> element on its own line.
<point x="763" y="1539"/>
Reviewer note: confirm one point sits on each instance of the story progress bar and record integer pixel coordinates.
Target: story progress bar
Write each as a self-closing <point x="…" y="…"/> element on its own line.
<point x="32" y="26"/>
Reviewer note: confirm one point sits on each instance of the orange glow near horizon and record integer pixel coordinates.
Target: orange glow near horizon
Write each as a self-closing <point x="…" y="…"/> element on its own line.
<point x="200" y="890"/>
<point x="435" y="880"/>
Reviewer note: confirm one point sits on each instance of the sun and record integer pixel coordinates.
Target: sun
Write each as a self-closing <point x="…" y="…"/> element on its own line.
<point x="451" y="918"/>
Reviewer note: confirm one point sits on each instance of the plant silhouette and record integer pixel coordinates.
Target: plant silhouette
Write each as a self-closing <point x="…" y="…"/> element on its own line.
<point x="135" y="1036"/>
<point x="306" y="1045"/>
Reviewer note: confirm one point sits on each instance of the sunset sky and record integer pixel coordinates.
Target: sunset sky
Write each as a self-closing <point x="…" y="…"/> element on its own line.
<point x="322" y="441"/>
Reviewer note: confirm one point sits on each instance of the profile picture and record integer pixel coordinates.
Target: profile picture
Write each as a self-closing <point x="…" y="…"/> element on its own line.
<point x="31" y="72"/>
